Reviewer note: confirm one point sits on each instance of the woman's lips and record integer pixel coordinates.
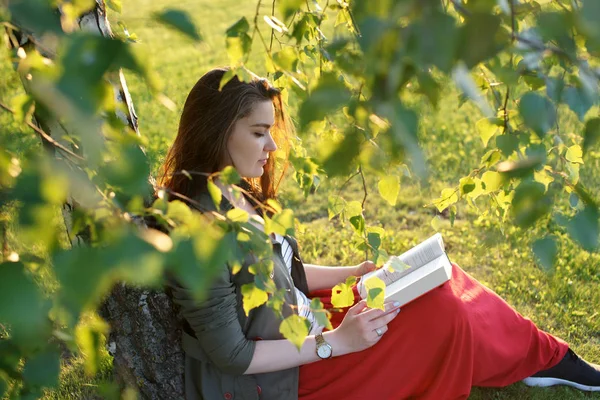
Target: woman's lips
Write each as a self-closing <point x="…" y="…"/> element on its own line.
<point x="263" y="161"/>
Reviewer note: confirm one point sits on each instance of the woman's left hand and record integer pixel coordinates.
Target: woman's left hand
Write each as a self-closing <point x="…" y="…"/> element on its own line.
<point x="365" y="267"/>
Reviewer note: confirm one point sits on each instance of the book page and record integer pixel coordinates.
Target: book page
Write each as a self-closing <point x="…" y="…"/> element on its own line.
<point x="398" y="266"/>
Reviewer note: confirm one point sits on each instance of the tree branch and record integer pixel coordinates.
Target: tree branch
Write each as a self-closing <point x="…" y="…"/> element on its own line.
<point x="45" y="136"/>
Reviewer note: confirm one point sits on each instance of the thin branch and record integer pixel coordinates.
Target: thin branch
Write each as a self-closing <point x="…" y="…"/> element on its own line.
<point x="272" y="30"/>
<point x="345" y="183"/>
<point x="45" y="136"/>
<point x="255" y="20"/>
<point x="364" y="182"/>
<point x="505" y="110"/>
<point x="4" y="240"/>
<point x="496" y="96"/>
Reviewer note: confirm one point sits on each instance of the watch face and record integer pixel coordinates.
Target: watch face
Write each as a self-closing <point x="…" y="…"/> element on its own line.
<point x="324" y="351"/>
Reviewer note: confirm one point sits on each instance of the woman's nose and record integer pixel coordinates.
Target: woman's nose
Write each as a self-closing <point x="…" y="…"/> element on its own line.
<point x="271" y="145"/>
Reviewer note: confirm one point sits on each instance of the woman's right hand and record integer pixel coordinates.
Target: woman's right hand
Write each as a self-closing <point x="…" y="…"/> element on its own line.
<point x="358" y="329"/>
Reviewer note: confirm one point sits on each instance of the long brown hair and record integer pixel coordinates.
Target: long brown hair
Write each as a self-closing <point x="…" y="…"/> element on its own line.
<point x="206" y="123"/>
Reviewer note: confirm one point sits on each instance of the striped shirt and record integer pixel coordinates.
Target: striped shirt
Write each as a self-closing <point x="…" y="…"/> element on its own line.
<point x="303" y="301"/>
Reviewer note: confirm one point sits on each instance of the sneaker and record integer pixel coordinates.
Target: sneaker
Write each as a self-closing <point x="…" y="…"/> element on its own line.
<point x="570" y="371"/>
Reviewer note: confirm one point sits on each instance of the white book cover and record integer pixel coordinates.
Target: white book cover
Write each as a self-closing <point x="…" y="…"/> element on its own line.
<point x="413" y="273"/>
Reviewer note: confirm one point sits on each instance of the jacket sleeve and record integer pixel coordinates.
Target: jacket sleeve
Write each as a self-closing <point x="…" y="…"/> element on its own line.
<point x="215" y="322"/>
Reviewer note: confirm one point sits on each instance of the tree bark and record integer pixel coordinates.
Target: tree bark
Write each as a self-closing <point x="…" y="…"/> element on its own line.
<point x="144" y="339"/>
<point x="145" y="342"/>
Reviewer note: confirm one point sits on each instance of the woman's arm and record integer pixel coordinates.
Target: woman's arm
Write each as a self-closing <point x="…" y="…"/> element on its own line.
<point x="321" y="277"/>
<point x="355" y="333"/>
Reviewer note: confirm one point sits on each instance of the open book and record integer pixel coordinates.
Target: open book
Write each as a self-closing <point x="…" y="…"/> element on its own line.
<point x="413" y="273"/>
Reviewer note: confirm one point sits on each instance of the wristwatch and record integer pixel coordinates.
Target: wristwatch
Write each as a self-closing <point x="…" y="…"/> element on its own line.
<point x="324" y="349"/>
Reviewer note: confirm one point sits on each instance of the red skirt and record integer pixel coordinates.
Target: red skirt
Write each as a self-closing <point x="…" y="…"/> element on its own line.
<point x="459" y="335"/>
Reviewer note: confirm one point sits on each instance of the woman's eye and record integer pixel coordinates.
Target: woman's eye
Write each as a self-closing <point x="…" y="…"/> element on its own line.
<point x="258" y="134"/>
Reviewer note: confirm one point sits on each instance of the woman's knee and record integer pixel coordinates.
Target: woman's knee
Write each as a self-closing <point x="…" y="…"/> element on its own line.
<point x="447" y="305"/>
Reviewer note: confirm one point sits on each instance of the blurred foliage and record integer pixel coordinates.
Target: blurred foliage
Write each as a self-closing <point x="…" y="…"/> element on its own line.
<point x="358" y="73"/>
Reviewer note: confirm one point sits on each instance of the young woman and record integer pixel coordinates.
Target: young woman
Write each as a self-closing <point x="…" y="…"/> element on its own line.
<point x="457" y="336"/>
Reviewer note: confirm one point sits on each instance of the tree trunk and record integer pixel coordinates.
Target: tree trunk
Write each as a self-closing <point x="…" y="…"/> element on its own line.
<point x="145" y="342"/>
<point x="145" y="334"/>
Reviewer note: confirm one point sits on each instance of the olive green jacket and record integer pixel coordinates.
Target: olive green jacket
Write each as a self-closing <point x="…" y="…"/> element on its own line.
<point x="219" y="339"/>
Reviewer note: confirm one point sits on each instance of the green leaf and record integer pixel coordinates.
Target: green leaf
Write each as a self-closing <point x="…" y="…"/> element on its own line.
<point x="492" y="181"/>
<point x="321" y="314"/>
<point x="389" y="188"/>
<point x="436" y="223"/>
<point x="374" y="239"/>
<point x="3" y="386"/>
<point x="573" y="200"/>
<point x="353" y="209"/>
<point x="585" y="196"/>
<point x="196" y="260"/>
<point x="179" y="212"/>
<point x="281" y="223"/>
<point x="342" y="295"/>
<point x="215" y="194"/>
<point x="583" y="228"/>
<point x="543" y="177"/>
<point x="286" y="59"/>
<point x="128" y="258"/>
<point x="22" y="307"/>
<point x="589" y="15"/>
<point x="395" y="264"/>
<point x="530" y="203"/>
<point x="329" y="95"/>
<point x="10" y="361"/>
<point x="545" y="251"/>
<point x="467" y="185"/>
<point x="181" y="21"/>
<point x="240" y="26"/>
<point x="35" y="16"/>
<point x="238" y="215"/>
<point x="557" y="27"/>
<point x="554" y="89"/>
<point x="253" y="297"/>
<point x="375" y="293"/>
<point x="358" y="223"/>
<point x="464" y="81"/>
<point x="289" y="7"/>
<point x="591" y="133"/>
<point x="519" y="169"/>
<point x="129" y="172"/>
<point x="23" y="106"/>
<point x="429" y="87"/>
<point x="42" y="369"/>
<point x="478" y="38"/>
<point x="574" y="154"/>
<point x="487" y="128"/>
<point x="230" y="176"/>
<point x="114" y="5"/>
<point x="238" y="41"/>
<point x="448" y="197"/>
<point x="436" y="28"/>
<point x="577" y="100"/>
<point x="537" y="112"/>
<point x="507" y="143"/>
<point x="335" y="205"/>
<point x="89" y="338"/>
<point x="490" y="158"/>
<point x="295" y="329"/>
<point x="573" y="171"/>
<point x="337" y="157"/>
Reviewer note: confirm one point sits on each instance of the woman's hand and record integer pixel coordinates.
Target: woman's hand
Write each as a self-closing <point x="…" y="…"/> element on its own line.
<point x="358" y="330"/>
<point x="365" y="267"/>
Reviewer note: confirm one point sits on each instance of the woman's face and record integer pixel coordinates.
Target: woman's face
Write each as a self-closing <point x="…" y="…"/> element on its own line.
<point x="251" y="142"/>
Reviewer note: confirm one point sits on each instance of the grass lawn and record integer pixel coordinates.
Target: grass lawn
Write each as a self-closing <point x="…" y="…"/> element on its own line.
<point x="564" y="301"/>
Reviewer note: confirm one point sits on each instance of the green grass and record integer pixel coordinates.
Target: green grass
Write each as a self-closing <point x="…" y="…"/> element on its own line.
<point x="564" y="301"/>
